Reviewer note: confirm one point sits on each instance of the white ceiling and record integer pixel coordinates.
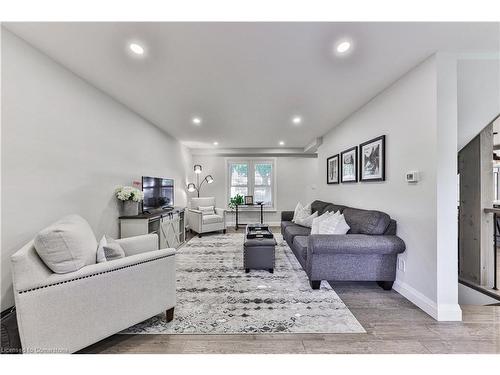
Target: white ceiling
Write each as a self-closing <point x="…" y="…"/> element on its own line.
<point x="246" y="80"/>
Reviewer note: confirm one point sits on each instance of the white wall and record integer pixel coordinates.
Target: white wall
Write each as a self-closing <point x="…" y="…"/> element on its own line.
<point x="65" y="147"/>
<point x="478" y="96"/>
<point x="295" y="181"/>
<point x="406" y="113"/>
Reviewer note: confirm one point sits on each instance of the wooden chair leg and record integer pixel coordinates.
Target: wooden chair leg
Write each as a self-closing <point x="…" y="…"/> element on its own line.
<point x="170" y="314"/>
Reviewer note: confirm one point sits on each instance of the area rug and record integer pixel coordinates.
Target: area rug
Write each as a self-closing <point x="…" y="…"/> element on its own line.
<point x="216" y="296"/>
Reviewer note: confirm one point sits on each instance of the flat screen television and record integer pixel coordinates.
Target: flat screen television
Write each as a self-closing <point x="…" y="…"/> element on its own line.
<point x="158" y="193"/>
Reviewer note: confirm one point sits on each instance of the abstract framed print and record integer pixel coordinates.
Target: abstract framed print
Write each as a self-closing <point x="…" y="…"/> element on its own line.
<point x="349" y="165"/>
<point x="332" y="169"/>
<point x="372" y="163"/>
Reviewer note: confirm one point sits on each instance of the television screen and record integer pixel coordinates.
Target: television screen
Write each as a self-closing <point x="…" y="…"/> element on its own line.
<point x="158" y="193"/>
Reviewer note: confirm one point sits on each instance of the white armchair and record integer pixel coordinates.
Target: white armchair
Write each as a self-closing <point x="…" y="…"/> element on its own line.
<point x="204" y="223"/>
<point x="67" y="312"/>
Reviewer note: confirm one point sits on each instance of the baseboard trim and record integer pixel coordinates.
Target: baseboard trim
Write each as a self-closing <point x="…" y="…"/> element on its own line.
<point x="448" y="312"/>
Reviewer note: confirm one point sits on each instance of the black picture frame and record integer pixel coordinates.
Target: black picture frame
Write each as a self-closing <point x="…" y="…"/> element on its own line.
<point x="380" y="159"/>
<point x="354" y="176"/>
<point x="249" y="199"/>
<point x="328" y="164"/>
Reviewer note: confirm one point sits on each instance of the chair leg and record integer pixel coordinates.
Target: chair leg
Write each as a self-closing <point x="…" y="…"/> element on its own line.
<point x="315" y="284"/>
<point x="170" y="314"/>
<point x="386" y="285"/>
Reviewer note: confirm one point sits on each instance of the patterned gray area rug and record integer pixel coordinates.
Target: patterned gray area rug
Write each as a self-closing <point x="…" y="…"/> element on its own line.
<point x="216" y="296"/>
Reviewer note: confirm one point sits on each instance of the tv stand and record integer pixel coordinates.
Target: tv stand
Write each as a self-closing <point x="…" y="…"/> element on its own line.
<point x="167" y="223"/>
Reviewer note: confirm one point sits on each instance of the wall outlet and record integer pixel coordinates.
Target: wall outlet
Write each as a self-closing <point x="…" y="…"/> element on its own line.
<point x="401" y="265"/>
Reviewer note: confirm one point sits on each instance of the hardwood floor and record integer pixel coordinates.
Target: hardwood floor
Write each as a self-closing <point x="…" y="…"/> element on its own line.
<point x="393" y="325"/>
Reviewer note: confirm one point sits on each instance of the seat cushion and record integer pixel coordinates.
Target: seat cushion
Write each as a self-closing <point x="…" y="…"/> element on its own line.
<point x="295" y="230"/>
<point x="366" y="221"/>
<point x="285" y="224"/>
<point x="67" y="245"/>
<point x="211" y="219"/>
<point x="300" y="244"/>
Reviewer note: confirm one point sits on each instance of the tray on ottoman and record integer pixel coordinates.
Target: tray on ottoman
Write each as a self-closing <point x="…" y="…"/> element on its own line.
<point x="258" y="249"/>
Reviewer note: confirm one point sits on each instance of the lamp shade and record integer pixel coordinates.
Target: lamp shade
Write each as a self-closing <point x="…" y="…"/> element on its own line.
<point x="191" y="187"/>
<point x="209" y="179"/>
<point x="197" y="168"/>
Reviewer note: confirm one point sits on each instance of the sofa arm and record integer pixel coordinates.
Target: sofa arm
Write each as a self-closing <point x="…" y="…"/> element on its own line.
<point x="139" y="244"/>
<point x="354" y="244"/>
<point x="194" y="218"/>
<point x="96" y="269"/>
<point x="287" y="215"/>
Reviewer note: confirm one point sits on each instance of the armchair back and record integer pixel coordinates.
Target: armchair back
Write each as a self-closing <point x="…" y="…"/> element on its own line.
<point x="206" y="201"/>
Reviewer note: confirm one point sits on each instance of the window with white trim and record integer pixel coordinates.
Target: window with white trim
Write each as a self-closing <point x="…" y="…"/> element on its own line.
<point x="254" y="177"/>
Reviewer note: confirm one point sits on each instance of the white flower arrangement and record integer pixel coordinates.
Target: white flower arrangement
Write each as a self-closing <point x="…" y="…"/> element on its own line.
<point x="129" y="193"/>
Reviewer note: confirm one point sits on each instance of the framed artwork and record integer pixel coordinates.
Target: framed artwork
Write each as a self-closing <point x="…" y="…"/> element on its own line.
<point x="372" y="163"/>
<point x="349" y="165"/>
<point x="248" y="199"/>
<point x="332" y="169"/>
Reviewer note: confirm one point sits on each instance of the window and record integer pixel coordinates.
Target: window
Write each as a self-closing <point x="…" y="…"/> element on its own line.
<point x="252" y="177"/>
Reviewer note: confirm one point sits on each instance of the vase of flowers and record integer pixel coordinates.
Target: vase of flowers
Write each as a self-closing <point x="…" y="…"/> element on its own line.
<point x="131" y="197"/>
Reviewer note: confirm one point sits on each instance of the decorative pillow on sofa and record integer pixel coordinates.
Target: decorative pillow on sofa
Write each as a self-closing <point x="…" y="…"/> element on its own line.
<point x="301" y="212"/>
<point x="334" y="224"/>
<point x="341" y="227"/>
<point x="113" y="250"/>
<point x="67" y="245"/>
<point x="306" y="221"/>
<point x="207" y="210"/>
<point x="101" y="257"/>
<point x="319" y="219"/>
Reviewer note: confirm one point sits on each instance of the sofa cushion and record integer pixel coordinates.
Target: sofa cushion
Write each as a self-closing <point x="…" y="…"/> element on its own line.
<point x="295" y="230"/>
<point x="355" y="244"/>
<point x="212" y="219"/>
<point x="319" y="207"/>
<point x="366" y="221"/>
<point x="300" y="244"/>
<point x="67" y="245"/>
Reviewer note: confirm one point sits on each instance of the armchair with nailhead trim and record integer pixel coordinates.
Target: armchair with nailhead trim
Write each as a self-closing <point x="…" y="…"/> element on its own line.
<point x="63" y="313"/>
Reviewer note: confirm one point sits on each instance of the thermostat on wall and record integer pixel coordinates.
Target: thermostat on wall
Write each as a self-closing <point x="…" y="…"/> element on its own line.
<point x="412" y="176"/>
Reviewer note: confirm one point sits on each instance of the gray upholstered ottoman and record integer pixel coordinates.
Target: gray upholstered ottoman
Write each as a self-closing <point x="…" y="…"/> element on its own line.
<point x="258" y="252"/>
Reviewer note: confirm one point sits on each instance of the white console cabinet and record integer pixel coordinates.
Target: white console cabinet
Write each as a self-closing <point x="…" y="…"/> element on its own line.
<point x="168" y="224"/>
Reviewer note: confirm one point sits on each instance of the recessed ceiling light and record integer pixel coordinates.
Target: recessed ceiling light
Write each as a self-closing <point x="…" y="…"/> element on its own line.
<point x="216" y="143"/>
<point x="282" y="143"/>
<point x="196" y="120"/>
<point x="297" y="120"/>
<point x="343" y="47"/>
<point x="136" y="48"/>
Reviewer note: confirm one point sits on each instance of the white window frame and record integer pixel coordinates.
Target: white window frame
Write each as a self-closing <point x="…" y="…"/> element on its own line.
<point x="251" y="178"/>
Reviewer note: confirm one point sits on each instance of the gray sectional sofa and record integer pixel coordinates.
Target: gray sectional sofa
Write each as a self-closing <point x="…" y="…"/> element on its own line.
<point x="368" y="252"/>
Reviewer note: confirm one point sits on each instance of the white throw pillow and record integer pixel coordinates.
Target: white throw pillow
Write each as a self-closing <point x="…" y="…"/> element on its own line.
<point x="306" y="221"/>
<point x="341" y="227"/>
<point x="67" y="245"/>
<point x="100" y="250"/>
<point x="207" y="210"/>
<point x="301" y="212"/>
<point x="327" y="225"/>
<point x="317" y="220"/>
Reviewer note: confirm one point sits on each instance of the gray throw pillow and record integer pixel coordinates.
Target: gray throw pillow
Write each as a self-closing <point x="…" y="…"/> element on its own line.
<point x="113" y="250"/>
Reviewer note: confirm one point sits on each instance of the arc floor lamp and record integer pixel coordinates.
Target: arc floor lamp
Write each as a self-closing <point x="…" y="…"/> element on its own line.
<point x="196" y="187"/>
